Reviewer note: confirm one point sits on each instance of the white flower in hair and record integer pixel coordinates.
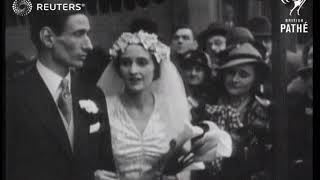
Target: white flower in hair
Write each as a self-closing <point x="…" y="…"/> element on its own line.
<point x="89" y="106"/>
<point x="162" y="51"/>
<point x="149" y="41"/>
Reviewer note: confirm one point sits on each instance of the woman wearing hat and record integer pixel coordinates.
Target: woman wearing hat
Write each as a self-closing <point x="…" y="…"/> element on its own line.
<point x="203" y="93"/>
<point x="196" y="69"/>
<point x="241" y="73"/>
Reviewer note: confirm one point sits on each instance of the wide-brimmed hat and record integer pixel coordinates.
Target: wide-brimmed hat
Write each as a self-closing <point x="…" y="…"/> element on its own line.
<point x="197" y="57"/>
<point x="260" y="26"/>
<point x="244" y="54"/>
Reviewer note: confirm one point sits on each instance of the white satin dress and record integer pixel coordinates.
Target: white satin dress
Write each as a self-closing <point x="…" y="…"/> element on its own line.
<point x="137" y="155"/>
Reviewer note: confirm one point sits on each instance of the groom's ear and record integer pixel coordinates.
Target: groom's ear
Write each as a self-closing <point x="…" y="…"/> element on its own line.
<point x="47" y="37"/>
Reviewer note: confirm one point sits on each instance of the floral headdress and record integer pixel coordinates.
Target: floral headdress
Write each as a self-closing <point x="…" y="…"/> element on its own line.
<point x="149" y="41"/>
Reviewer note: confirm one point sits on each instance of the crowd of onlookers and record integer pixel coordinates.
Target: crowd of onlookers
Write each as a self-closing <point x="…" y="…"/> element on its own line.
<point x="226" y="70"/>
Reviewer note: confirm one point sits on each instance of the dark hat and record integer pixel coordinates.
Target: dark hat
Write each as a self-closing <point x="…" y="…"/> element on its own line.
<point x="244" y="54"/>
<point x="215" y="29"/>
<point x="196" y="57"/>
<point x="261" y="48"/>
<point x="260" y="26"/>
<point x="239" y="35"/>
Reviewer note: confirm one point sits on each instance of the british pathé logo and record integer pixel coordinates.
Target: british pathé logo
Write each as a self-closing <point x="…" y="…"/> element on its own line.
<point x="297" y="5"/>
<point x="22" y="7"/>
<point x="294" y="25"/>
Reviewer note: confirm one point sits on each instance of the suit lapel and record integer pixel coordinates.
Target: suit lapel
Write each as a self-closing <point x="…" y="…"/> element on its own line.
<point x="44" y="106"/>
<point x="81" y="127"/>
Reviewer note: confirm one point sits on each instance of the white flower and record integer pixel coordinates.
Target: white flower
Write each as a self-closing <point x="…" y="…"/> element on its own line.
<point x="89" y="106"/>
<point x="149" y="41"/>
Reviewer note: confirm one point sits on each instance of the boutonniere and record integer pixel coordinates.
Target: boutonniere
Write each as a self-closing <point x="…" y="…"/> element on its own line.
<point x="89" y="105"/>
<point x="94" y="114"/>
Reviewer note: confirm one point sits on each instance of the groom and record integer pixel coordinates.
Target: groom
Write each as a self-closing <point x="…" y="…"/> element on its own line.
<point x="49" y="135"/>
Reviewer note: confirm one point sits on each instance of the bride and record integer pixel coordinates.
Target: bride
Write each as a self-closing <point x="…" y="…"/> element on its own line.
<point x="147" y="109"/>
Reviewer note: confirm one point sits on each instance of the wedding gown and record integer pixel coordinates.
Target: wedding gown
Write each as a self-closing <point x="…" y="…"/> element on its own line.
<point x="137" y="155"/>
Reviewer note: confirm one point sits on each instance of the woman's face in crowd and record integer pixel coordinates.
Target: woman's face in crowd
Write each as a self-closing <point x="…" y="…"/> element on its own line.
<point x="136" y="68"/>
<point x="239" y="80"/>
<point x="195" y="74"/>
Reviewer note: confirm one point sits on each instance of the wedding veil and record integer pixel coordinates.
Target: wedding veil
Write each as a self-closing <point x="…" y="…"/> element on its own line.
<point x="168" y="88"/>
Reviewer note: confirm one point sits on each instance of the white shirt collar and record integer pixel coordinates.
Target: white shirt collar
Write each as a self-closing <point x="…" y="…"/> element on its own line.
<point x="51" y="79"/>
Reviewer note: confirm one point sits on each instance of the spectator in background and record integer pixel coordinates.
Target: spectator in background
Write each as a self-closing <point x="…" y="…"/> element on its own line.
<point x="241" y="73"/>
<point x="261" y="28"/>
<point x="297" y="85"/>
<point x="213" y="40"/>
<point x="197" y="76"/>
<point x="239" y="35"/>
<point x="300" y="108"/>
<point x="183" y="40"/>
<point x="16" y="65"/>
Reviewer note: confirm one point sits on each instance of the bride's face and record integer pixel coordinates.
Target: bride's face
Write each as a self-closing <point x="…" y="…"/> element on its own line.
<point x="136" y="68"/>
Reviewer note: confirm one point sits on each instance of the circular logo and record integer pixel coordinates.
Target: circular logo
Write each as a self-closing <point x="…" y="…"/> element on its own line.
<point x="22" y="7"/>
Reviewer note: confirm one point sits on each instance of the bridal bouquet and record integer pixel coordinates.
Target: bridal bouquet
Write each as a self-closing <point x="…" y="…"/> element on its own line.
<point x="202" y="143"/>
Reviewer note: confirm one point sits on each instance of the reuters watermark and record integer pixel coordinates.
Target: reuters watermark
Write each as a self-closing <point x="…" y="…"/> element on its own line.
<point x="24" y="7"/>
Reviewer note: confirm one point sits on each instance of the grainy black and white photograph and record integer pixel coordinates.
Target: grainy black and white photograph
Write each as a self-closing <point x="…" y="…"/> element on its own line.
<point x="159" y="89"/>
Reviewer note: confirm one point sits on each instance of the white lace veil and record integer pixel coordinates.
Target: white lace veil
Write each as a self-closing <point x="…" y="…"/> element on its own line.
<point x="168" y="88"/>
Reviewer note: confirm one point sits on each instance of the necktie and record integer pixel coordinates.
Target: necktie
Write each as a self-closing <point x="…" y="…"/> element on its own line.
<point x="65" y="100"/>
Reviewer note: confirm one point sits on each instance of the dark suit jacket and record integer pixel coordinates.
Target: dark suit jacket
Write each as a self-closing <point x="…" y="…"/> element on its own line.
<point x="37" y="143"/>
<point x="300" y="117"/>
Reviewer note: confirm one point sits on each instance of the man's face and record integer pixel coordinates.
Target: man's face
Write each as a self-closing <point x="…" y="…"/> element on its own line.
<point x="216" y="44"/>
<point x="183" y="41"/>
<point x="71" y="47"/>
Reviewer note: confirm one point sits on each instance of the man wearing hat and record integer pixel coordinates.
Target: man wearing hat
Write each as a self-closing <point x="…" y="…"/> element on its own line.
<point x="239" y="35"/>
<point x="297" y="85"/>
<point x="213" y="41"/>
<point x="261" y="28"/>
<point x="300" y="106"/>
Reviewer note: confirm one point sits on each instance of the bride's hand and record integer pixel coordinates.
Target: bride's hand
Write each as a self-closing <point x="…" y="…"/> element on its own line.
<point x="105" y="175"/>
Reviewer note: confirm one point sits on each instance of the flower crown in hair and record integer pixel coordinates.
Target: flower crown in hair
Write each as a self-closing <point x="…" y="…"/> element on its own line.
<point x="149" y="41"/>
